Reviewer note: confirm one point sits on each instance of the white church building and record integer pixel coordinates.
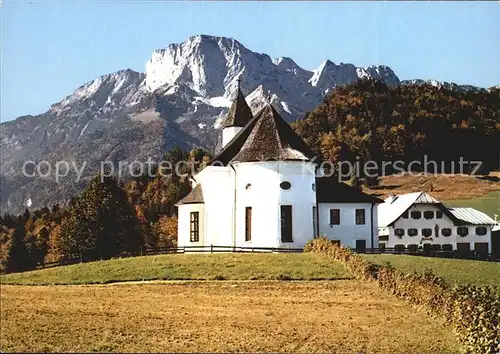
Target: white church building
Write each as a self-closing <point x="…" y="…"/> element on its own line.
<point x="417" y="220"/>
<point x="263" y="189"/>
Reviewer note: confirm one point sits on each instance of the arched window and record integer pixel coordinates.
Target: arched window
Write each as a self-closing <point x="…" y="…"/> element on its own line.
<point x="481" y="230"/>
<point x="426" y="232"/>
<point x="399" y="232"/>
<point x="416" y="214"/>
<point x="412" y="232"/>
<point x="429" y="214"/>
<point x="462" y="231"/>
<point x="446" y="232"/>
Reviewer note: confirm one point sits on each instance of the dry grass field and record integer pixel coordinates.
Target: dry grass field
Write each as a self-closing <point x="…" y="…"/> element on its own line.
<point x="228" y="316"/>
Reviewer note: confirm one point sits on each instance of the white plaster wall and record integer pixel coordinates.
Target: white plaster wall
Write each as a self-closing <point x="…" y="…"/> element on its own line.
<point x="183" y="238"/>
<point x="228" y="134"/>
<point x="422" y="223"/>
<point x="265" y="197"/>
<point x="218" y="194"/>
<point x="348" y="232"/>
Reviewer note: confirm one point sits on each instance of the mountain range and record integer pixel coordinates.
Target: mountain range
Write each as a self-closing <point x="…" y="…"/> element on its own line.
<point x="180" y="100"/>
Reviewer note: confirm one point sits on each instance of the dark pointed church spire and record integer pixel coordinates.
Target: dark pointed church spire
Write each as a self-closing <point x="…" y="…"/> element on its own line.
<point x="239" y="114"/>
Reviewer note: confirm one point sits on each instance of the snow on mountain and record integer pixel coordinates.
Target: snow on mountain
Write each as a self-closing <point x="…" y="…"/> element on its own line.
<point x="329" y="75"/>
<point x="442" y="84"/>
<point x="179" y="101"/>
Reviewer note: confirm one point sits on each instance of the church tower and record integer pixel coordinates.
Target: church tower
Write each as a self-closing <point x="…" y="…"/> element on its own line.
<point x="237" y="118"/>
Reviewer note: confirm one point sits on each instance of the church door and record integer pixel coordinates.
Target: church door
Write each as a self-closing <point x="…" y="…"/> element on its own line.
<point x="286" y="223"/>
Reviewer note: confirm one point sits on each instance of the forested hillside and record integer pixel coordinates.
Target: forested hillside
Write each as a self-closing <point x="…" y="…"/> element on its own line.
<point x="109" y="218"/>
<point x="376" y="122"/>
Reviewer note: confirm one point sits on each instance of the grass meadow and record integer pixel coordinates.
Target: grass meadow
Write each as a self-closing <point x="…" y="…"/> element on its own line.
<point x="219" y="266"/>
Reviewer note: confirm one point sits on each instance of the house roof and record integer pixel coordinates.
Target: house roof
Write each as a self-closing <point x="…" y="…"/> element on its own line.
<point x="193" y="197"/>
<point x="239" y="113"/>
<point x="395" y="206"/>
<point x="329" y="190"/>
<point x="267" y="137"/>
<point x="472" y="216"/>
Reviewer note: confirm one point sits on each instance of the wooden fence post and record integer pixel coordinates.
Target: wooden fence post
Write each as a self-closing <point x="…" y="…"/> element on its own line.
<point x="211" y="248"/>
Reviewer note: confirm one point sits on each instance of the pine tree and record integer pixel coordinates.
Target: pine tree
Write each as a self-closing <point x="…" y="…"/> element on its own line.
<point x="101" y="223"/>
<point x="17" y="258"/>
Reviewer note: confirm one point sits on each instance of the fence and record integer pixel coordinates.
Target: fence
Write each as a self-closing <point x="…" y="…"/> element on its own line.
<point x="218" y="249"/>
<point x="475" y="255"/>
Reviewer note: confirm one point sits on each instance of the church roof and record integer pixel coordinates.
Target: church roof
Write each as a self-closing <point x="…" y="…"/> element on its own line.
<point x="330" y="190"/>
<point x="193" y="197"/>
<point x="267" y="137"/>
<point x="239" y="114"/>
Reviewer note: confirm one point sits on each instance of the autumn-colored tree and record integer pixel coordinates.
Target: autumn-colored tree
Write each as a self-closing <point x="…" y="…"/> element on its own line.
<point x="166" y="230"/>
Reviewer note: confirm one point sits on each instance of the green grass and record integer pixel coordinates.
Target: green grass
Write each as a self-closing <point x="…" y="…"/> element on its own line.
<point x="489" y="203"/>
<point x="455" y="271"/>
<point x="222" y="266"/>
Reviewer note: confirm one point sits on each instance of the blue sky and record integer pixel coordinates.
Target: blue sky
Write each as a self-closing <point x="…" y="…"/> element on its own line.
<point x="49" y="48"/>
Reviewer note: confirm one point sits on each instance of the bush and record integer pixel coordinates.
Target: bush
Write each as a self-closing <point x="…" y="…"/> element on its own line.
<point x="473" y="311"/>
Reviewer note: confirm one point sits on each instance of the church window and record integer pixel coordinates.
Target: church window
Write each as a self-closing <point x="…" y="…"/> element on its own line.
<point x="286" y="223"/>
<point x="285" y="185"/>
<point x="334" y="216"/>
<point x="194" y="226"/>
<point x="248" y="224"/>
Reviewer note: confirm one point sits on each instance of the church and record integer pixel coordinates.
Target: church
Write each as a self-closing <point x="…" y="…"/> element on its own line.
<point x="263" y="189"/>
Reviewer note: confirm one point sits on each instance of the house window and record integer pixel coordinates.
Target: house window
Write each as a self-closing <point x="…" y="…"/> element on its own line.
<point x="481" y="247"/>
<point x="286" y="223"/>
<point x="481" y="230"/>
<point x="334" y="216"/>
<point x="426" y="232"/>
<point x="399" y="232"/>
<point x="463" y="247"/>
<point x="462" y="231"/>
<point x="405" y="215"/>
<point x="439" y="214"/>
<point x="194" y="226"/>
<point x="446" y="232"/>
<point x="447" y="247"/>
<point x="428" y="214"/>
<point x="383" y="238"/>
<point x="360" y="216"/>
<point x="248" y="224"/>
<point x="416" y="214"/>
<point x="412" y="232"/>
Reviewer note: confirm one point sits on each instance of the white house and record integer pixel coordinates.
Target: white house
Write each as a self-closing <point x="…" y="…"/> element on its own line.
<point x="263" y="190"/>
<point x="417" y="219"/>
